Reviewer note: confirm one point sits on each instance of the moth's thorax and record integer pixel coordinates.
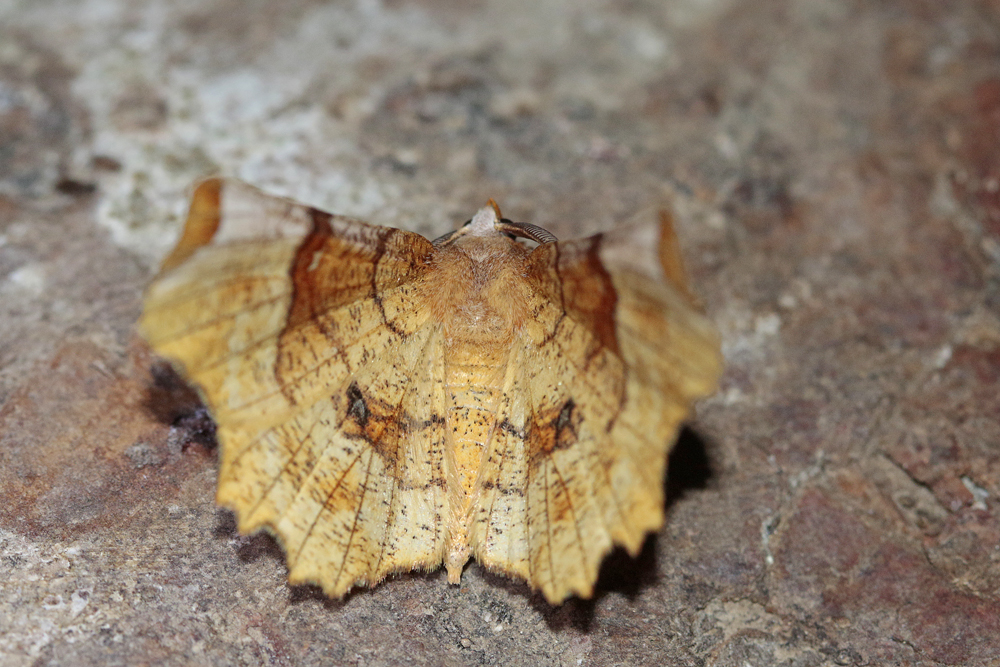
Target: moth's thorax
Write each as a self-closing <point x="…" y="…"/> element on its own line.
<point x="477" y="290"/>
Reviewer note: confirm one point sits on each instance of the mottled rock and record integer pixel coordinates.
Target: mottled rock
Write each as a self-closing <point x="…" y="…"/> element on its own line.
<point x="833" y="169"/>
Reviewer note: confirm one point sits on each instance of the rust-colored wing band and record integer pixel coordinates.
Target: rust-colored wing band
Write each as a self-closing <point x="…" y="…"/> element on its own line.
<point x="202" y="222"/>
<point x="570" y="273"/>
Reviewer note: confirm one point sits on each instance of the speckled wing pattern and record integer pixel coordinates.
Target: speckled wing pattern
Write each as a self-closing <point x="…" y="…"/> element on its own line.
<point x="281" y="364"/>
<point x="369" y="437"/>
<point x="595" y="395"/>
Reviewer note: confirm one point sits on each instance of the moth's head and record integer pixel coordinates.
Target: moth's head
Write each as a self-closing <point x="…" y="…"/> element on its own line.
<point x="488" y="222"/>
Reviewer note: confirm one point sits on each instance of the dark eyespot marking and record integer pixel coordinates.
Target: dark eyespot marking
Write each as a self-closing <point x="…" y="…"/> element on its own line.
<point x="565" y="417"/>
<point x="357" y="408"/>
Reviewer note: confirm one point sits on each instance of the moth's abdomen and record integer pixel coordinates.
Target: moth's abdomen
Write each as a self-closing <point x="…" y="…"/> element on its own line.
<point x="473" y="386"/>
<point x="473" y="378"/>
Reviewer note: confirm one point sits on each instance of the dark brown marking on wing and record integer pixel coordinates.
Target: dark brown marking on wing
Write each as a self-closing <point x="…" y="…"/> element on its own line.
<point x="437" y="482"/>
<point x="381" y="425"/>
<point x="383" y="240"/>
<point x="590" y="295"/>
<point x="510" y="428"/>
<point x="419" y="425"/>
<point x="357" y="409"/>
<point x="335" y="268"/>
<point x="489" y="485"/>
<point x="556" y="428"/>
<point x="328" y="271"/>
<point x="572" y="275"/>
<point x="376" y="423"/>
<point x="564" y="420"/>
<point x="308" y="288"/>
<point x="308" y="292"/>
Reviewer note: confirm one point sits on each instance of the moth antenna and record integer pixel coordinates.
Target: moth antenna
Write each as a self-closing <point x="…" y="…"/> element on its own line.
<point x="526" y="230"/>
<point x="439" y="241"/>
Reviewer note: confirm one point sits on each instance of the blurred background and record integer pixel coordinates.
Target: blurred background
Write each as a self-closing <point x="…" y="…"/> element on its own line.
<point x="833" y="168"/>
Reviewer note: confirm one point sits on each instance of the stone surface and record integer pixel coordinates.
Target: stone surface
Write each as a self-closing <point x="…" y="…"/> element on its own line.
<point x="834" y="169"/>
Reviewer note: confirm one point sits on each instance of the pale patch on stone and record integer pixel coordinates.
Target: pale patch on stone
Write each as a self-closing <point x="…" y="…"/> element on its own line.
<point x="30" y="278"/>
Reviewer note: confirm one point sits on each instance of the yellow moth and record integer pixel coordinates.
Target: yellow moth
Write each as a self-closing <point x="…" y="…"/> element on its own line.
<point x="387" y="403"/>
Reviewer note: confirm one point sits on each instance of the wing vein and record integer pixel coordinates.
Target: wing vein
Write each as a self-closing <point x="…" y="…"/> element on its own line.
<point x="205" y="289"/>
<point x="394" y="479"/>
<point x="333" y="489"/>
<point x="222" y="318"/>
<point x="284" y="468"/>
<point x="357" y="513"/>
<point x="271" y="336"/>
<point x="500" y="464"/>
<point x="572" y="510"/>
<point x="548" y="524"/>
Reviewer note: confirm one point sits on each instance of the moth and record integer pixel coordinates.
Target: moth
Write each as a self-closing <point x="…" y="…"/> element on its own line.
<point x="386" y="403"/>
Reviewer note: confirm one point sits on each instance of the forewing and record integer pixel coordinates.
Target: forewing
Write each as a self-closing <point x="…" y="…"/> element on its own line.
<point x="289" y="321"/>
<point x="608" y="369"/>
